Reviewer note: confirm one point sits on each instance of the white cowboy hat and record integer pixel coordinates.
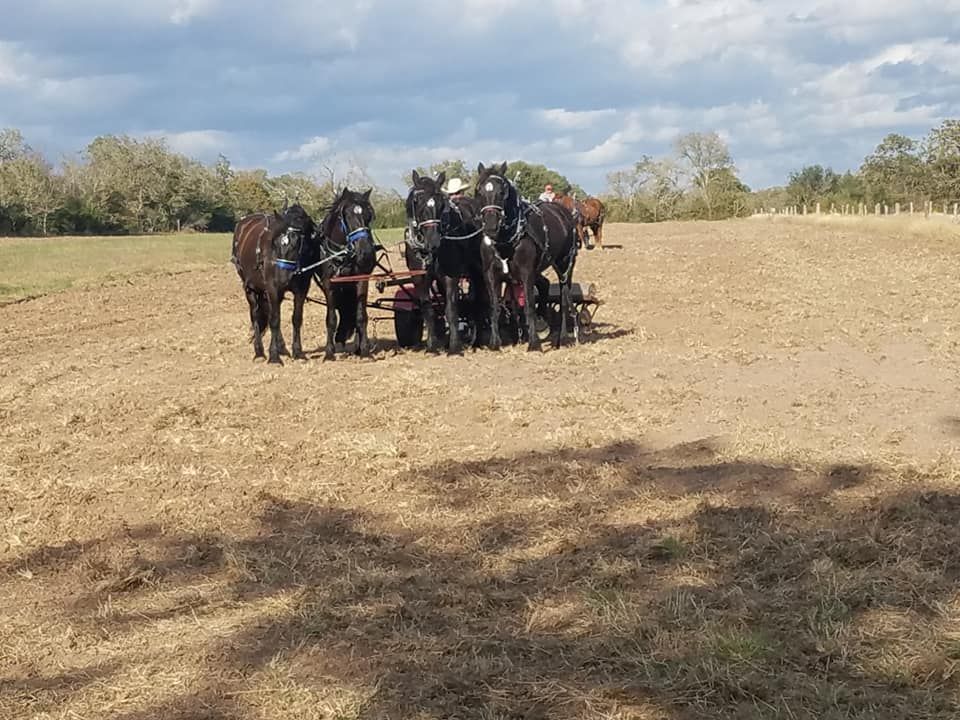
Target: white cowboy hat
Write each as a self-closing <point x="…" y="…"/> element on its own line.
<point x="454" y="185"/>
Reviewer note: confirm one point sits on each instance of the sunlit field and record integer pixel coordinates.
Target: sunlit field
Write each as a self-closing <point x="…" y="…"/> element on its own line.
<point x="738" y="497"/>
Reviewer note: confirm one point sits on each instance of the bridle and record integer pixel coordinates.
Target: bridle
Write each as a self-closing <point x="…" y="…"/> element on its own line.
<point x="351" y="237"/>
<point x="417" y="226"/>
<point x="501" y="210"/>
<point x="301" y="227"/>
<point x="291" y="265"/>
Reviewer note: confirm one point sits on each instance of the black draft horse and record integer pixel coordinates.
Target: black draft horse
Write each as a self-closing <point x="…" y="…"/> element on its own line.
<point x="520" y="241"/>
<point x="349" y="249"/>
<point x="445" y="241"/>
<point x="269" y="251"/>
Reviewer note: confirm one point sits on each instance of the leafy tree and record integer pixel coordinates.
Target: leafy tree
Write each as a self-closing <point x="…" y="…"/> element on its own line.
<point x="941" y="152"/>
<point x="533" y="178"/>
<point x="452" y="168"/>
<point x="704" y="155"/>
<point x="812" y="184"/>
<point x="894" y="171"/>
<point x="663" y="182"/>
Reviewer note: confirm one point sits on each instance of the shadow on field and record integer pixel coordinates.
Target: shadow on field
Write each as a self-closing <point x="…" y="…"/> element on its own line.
<point x="605" y="582"/>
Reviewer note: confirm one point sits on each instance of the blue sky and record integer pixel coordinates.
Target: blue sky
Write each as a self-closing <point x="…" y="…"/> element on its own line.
<point x="585" y="86"/>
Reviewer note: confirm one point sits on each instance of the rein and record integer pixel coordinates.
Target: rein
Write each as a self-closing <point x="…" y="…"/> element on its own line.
<point x="516" y="227"/>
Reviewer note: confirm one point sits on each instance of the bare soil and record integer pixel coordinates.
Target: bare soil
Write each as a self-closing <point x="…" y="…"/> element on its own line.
<point x="737" y="498"/>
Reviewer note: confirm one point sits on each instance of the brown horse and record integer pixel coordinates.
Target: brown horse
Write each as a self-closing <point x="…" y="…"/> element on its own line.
<point x="269" y="252"/>
<point x="589" y="215"/>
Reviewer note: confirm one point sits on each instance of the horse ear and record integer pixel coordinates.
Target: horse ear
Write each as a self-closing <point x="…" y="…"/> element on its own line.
<point x="416" y="177"/>
<point x="480" y="169"/>
<point x="503" y="168"/>
<point x="441" y="177"/>
<point x="366" y="195"/>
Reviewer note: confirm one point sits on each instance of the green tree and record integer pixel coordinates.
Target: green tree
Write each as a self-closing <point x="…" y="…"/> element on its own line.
<point x="704" y="155"/>
<point x="452" y="168"/>
<point x="941" y="151"/>
<point x="663" y="186"/>
<point x="12" y="145"/>
<point x="532" y="178"/>
<point x="813" y="184"/>
<point x="894" y="171"/>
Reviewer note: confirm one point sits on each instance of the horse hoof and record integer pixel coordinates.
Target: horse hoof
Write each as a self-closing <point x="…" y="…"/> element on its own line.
<point x="533" y="347"/>
<point x="274" y="361"/>
<point x="329" y="357"/>
<point x="299" y="355"/>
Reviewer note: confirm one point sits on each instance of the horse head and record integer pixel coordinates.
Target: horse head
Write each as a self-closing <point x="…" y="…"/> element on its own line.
<point x="498" y="198"/>
<point x="427" y="211"/>
<point x="293" y="240"/>
<point x="347" y="225"/>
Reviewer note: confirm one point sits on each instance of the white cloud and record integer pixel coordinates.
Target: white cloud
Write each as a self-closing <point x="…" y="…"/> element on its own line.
<point x="10" y="66"/>
<point x="186" y="10"/>
<point x="311" y="149"/>
<point x="786" y="82"/>
<point x="199" y="143"/>
<point x="573" y="119"/>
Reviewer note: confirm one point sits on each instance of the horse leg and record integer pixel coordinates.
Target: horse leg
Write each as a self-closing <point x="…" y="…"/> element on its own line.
<point x="451" y="285"/>
<point x="363" y="342"/>
<point x="491" y="280"/>
<point x="257" y="320"/>
<point x="564" y="311"/>
<point x="423" y="284"/>
<point x="274" y="298"/>
<point x="330" y="300"/>
<point x="529" y="285"/>
<point x="598" y="234"/>
<point x="298" y="301"/>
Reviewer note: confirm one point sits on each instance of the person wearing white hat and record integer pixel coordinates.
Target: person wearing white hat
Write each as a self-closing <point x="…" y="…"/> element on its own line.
<point x="547" y="195"/>
<point x="454" y="187"/>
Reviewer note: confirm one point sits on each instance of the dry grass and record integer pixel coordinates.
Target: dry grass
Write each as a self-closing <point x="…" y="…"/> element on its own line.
<point x="937" y="225"/>
<point x="738" y="499"/>
<point x="31" y="267"/>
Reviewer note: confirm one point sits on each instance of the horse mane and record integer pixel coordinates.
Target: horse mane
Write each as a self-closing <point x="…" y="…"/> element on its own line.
<point x="297" y="217"/>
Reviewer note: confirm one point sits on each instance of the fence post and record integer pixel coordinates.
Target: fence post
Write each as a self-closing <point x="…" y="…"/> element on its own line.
<point x="896" y="209"/>
<point x="818" y="208"/>
<point x="945" y="208"/>
<point x="886" y="209"/>
<point x="876" y="209"/>
<point x="911" y="208"/>
<point x="956" y="206"/>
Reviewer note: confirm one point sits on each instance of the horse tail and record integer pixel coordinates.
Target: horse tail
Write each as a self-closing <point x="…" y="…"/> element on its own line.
<point x="345" y="301"/>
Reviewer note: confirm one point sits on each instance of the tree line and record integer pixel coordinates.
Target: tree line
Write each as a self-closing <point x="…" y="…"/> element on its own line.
<point x="699" y="180"/>
<point x="125" y="185"/>
<point x="900" y="171"/>
<point x="120" y="184"/>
